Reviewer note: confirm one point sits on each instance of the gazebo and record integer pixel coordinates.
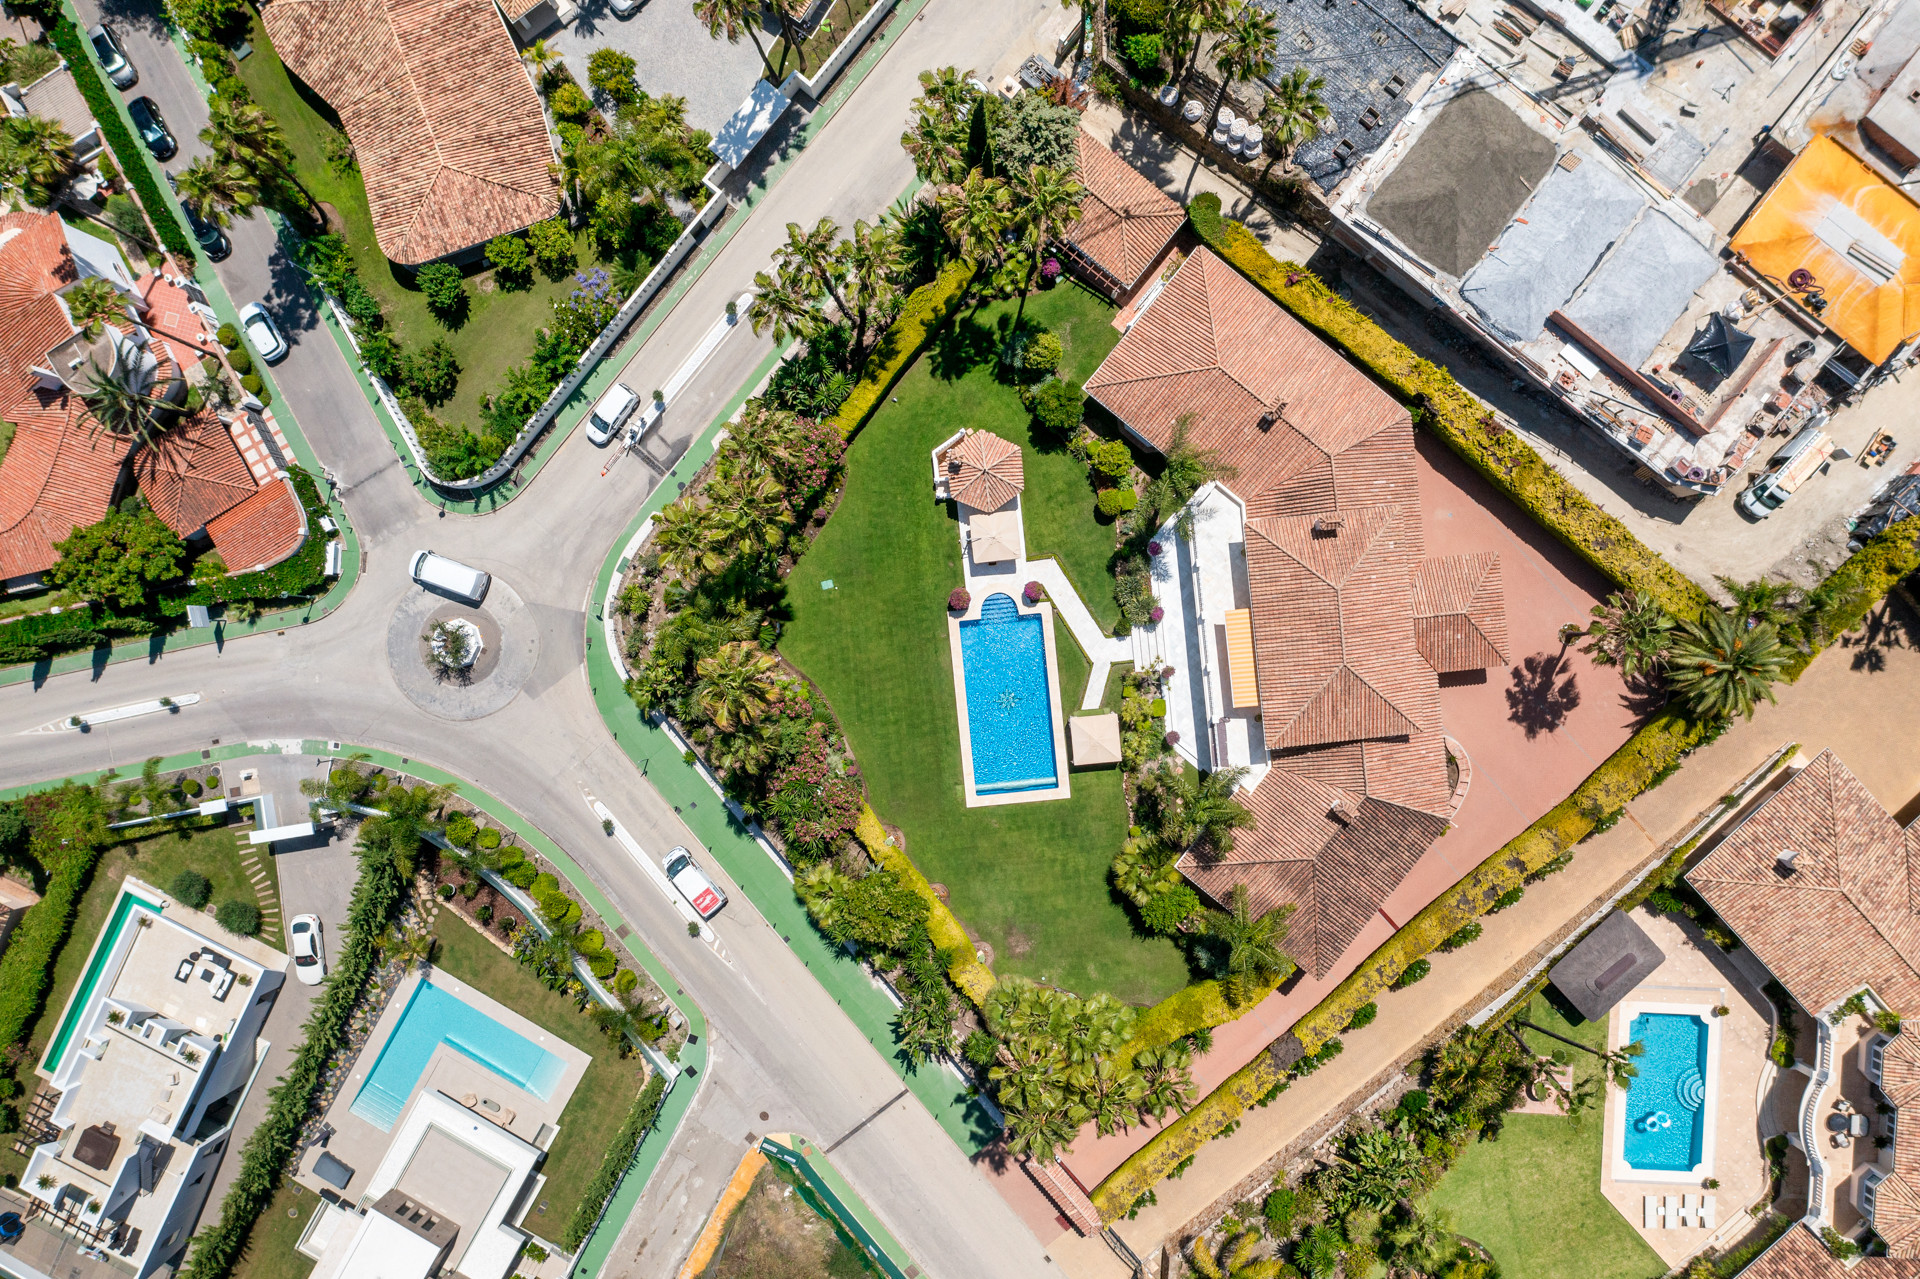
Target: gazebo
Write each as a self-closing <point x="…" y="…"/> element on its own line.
<point x="983" y="471"/>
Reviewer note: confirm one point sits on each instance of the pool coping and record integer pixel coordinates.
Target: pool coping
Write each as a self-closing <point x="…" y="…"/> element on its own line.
<point x="1064" y="788"/>
<point x="1619" y="1020"/>
<point x="124" y="904"/>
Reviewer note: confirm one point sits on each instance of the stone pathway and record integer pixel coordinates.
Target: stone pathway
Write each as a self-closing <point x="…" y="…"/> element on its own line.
<point x="263" y="889"/>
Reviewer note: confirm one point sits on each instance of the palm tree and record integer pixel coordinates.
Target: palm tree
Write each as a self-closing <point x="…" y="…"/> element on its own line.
<point x="218" y="191"/>
<point x="94" y="301"/>
<point x="1616" y="1064"/>
<point x="1254" y="959"/>
<point x="683" y="537"/>
<point x="243" y="133"/>
<point x="119" y="407"/>
<point x="1422" y="1239"/>
<point x="870" y="261"/>
<point x="975" y="215"/>
<point x="1049" y="199"/>
<point x="785" y="303"/>
<point x="1292" y="115"/>
<point x="730" y="19"/>
<point x="1112" y="1094"/>
<point x="1764" y="600"/>
<point x="447" y="651"/>
<point x="789" y="12"/>
<point x="1722" y="666"/>
<point x="1187" y="467"/>
<point x="412" y="944"/>
<point x="540" y="56"/>
<point x="1187" y="22"/>
<point x="1630" y="630"/>
<point x="405" y="817"/>
<point x="1243" y="52"/>
<point x="36" y="154"/>
<point x="1193" y="806"/>
<point x="1168" y="1086"/>
<point x="942" y="118"/>
<point x="748" y="515"/>
<point x="736" y="684"/>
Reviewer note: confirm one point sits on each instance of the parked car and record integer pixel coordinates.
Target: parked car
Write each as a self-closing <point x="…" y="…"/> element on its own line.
<point x="153" y="127"/>
<point x="625" y="8"/>
<point x="113" y="59"/>
<point x="604" y="422"/>
<point x="450" y="577"/>
<point x="262" y="333"/>
<point x="212" y="239"/>
<point x="309" y="950"/>
<point x="1804" y="455"/>
<point x="701" y="893"/>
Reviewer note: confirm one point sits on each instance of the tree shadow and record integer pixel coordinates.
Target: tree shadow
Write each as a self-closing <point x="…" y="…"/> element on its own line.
<point x="1643" y="697"/>
<point x="1540" y="699"/>
<point x="961" y="347"/>
<point x="1886" y="629"/>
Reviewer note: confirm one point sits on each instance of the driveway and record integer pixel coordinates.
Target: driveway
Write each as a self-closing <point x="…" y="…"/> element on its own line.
<point x="672" y="54"/>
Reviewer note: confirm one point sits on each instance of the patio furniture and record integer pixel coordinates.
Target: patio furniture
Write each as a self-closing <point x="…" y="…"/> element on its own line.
<point x="1672" y="1211"/>
<point x="223" y="985"/>
<point x="1858" y="1126"/>
<point x="185" y="970"/>
<point x="132" y="1244"/>
<point x="1651" y="1206"/>
<point x="1837" y="1123"/>
<point x="1841" y="1139"/>
<point x="1686" y="1210"/>
<point x="1706" y="1211"/>
<point x="1842" y="1105"/>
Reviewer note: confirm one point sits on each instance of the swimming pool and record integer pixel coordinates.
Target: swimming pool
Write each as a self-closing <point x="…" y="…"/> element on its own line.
<point x="1666" y="1105"/>
<point x="1009" y="699"/>
<point x="433" y="1017"/>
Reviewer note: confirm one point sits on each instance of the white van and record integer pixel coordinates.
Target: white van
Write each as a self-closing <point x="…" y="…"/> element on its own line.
<point x="604" y="422"/>
<point x="1804" y="454"/>
<point x="451" y="577"/>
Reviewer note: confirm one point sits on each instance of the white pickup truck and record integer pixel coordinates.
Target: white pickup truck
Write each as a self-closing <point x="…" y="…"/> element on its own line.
<point x="701" y="893"/>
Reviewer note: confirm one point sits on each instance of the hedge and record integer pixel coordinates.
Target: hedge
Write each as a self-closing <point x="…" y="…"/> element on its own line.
<point x="975" y="980"/>
<point x="1843" y="601"/>
<point x="614" y="1165"/>
<point x="265" y="1157"/>
<point x="926" y="309"/>
<point x="106" y="109"/>
<point x="1200" y="1006"/>
<point x="1452" y="413"/>
<point x="27" y="966"/>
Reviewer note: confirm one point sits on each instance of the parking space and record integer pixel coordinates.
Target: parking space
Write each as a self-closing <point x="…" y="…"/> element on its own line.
<point x="672" y="54"/>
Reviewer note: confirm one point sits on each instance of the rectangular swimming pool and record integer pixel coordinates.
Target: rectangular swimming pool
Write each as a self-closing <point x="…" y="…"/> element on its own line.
<point x="1009" y="699"/>
<point x="1665" y="1128"/>
<point x="433" y="1017"/>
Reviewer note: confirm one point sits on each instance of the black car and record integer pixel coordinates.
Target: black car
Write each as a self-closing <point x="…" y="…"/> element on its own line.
<point x="211" y="238"/>
<point x="152" y="127"/>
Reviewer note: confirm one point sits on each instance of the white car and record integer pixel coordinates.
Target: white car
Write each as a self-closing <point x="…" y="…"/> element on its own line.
<point x="613" y="409"/>
<point x="309" y="949"/>
<point x="625" y="8"/>
<point x="113" y="59"/>
<point x="261" y="332"/>
<point x="701" y="893"/>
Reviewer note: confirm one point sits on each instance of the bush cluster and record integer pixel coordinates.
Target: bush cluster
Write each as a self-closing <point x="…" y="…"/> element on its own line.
<point x="190" y="888"/>
<point x="925" y="311"/>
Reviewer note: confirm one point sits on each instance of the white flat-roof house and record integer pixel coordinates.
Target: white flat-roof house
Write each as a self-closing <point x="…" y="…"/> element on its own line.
<point x="161" y="1029"/>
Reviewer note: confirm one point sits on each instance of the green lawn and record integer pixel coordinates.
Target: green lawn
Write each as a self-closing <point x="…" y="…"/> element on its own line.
<point x="1030" y="878"/>
<point x="601" y="1101"/>
<point x="270" y="1251"/>
<point x="497" y="331"/>
<point x="1533" y="1197"/>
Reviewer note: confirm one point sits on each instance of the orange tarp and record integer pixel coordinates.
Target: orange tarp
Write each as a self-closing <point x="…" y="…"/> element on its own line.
<point x="1833" y="215"/>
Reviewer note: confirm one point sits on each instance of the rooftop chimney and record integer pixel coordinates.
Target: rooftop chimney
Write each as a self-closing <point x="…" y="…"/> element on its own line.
<point x="1276" y="413"/>
<point x="1342" y="811"/>
<point x="1785" y="861"/>
<point x="1329" y="525"/>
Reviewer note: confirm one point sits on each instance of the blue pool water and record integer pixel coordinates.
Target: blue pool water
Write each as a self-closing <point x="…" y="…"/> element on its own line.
<point x="1666" y="1104"/>
<point x="433" y="1017"/>
<point x="1009" y="703"/>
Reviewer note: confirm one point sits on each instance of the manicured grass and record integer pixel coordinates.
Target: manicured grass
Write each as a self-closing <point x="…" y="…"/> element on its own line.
<point x="1533" y="1197"/>
<point x="1031" y="879"/>
<point x="270" y="1253"/>
<point x="497" y="331"/>
<point x="605" y="1094"/>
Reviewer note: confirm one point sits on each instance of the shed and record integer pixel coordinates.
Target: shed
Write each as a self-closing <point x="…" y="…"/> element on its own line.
<point x="1610" y="961"/>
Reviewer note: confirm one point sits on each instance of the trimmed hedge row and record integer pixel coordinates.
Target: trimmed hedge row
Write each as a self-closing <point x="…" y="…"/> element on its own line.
<point x="264" y="1159"/>
<point x="27" y="966"/>
<point x="1453" y="414"/>
<point x="975" y="980"/>
<point x="1843" y="601"/>
<point x="614" y="1165"/>
<point x="113" y="127"/>
<point x="1201" y="1006"/>
<point x="927" y="309"/>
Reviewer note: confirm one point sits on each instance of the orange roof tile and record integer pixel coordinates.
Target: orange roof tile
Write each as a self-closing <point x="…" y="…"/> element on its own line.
<point x="1125" y="220"/>
<point x="986" y="472"/>
<point x="1459" y="613"/>
<point x="447" y="127"/>
<point x="1799" y="1254"/>
<point x="261" y="531"/>
<point x="193" y="473"/>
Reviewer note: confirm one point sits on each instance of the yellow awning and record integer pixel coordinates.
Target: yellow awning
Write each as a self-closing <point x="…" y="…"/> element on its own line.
<point x="1240" y="678"/>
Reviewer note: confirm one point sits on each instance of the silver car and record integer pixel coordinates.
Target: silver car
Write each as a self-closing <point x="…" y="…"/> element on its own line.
<point x="262" y="332"/>
<point x="113" y="59"/>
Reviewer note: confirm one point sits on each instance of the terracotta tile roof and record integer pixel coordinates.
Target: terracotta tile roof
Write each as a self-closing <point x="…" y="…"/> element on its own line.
<point x="1460" y="613"/>
<point x="262" y="530"/>
<point x="1900" y="1070"/>
<point x="447" y="127"/>
<point x="1125" y="220"/>
<point x="1845" y="916"/>
<point x="985" y="471"/>
<point x="1799" y="1254"/>
<point x="56" y="475"/>
<point x="193" y="473"/>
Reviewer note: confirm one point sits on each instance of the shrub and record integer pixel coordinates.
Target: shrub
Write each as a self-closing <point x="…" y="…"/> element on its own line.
<point x="242" y="919"/>
<point x="253" y="386"/>
<point x="959" y="601"/>
<point x="1466" y="935"/>
<point x="1279" y="1209"/>
<point x="1042" y="354"/>
<point x="601" y="964"/>
<point x="979" y="1048"/>
<point x="1112" y="458"/>
<point x="1113" y="503"/>
<point x="611" y="72"/>
<point x="1165" y="912"/>
<point x="926" y="310"/>
<point x="1142" y="51"/>
<point x="229" y="337"/>
<point x="1364" y="1015"/>
<point x="625" y="981"/>
<point x="445" y="892"/>
<point x="1033" y="592"/>
<point x="508" y="255"/>
<point x="460" y="830"/>
<point x="241" y="361"/>
<point x="591" y="942"/>
<point x="568" y="103"/>
<point x="1414" y="972"/>
<point x="520" y="876"/>
<point x="444" y="289"/>
<point x="488" y="838"/>
<point x="190" y="888"/>
<point x="550" y="245"/>
<point x="1057" y="405"/>
<point x="190" y="788"/>
<point x="1509" y="898"/>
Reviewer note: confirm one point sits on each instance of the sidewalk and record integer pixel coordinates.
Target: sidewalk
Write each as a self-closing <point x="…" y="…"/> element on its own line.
<point x="1856" y="698"/>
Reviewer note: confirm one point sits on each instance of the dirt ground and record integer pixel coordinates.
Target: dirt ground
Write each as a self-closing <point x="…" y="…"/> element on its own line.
<point x="777" y="1234"/>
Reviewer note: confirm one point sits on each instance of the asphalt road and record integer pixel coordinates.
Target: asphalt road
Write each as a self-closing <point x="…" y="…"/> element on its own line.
<point x="780" y="1044"/>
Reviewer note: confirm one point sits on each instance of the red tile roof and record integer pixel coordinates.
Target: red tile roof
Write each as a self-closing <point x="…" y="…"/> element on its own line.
<point x="1459" y="613"/>
<point x="1125" y="220"/>
<point x="193" y="473"/>
<point x="1799" y="1254"/>
<point x="447" y="127"/>
<point x="261" y="531"/>
<point x="57" y="475"/>
<point x="990" y="474"/>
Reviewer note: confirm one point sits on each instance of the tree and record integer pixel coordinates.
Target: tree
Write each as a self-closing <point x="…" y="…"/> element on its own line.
<point x="242" y="133"/>
<point x="1422" y="1239"/>
<point x="747" y="514"/>
<point x="507" y="254"/>
<point x="1191" y="806"/>
<point x="1244" y="50"/>
<point x="1048" y="200"/>
<point x="975" y="216"/>
<point x="1616" y="1064"/>
<point x="1764" y="600"/>
<point x="612" y="73"/>
<point x="1032" y="130"/>
<point x="1630" y="630"/>
<point x="1168" y="1085"/>
<point x="449" y="654"/>
<point x="1722" y="667"/>
<point x="118" y="561"/>
<point x="1293" y="114"/>
<point x="445" y="291"/>
<point x="1253" y="957"/>
<point x="218" y="190"/>
<point x="36" y="155"/>
<point x="396" y="834"/>
<point x="93" y="302"/>
<point x="736" y="684"/>
<point x="858" y="276"/>
<point x="941" y="116"/>
<point x="790" y="12"/>
<point x="540" y="56"/>
<point x="1187" y="22"/>
<point x="730" y="19"/>
<point x="1185" y="469"/>
<point x="683" y="537"/>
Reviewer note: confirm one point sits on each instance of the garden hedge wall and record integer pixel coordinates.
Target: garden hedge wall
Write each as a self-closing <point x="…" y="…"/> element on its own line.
<point x="27" y="966"/>
<point x="1451" y="412"/>
<point x="975" y="980"/>
<point x="1843" y="601"/>
<point x="926" y="309"/>
<point x="613" y="1166"/>
<point x="1201" y="1006"/>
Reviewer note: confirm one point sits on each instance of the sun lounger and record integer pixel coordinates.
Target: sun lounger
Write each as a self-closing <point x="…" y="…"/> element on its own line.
<point x="1706" y="1211"/>
<point x="1653" y="1211"/>
<point x="1672" y="1211"/>
<point x="1686" y="1210"/>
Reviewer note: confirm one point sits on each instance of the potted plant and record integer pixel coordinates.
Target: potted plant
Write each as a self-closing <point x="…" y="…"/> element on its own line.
<point x="959" y="601"/>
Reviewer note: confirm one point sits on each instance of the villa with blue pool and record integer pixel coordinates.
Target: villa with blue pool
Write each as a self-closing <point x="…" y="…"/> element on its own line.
<point x="431" y="1148"/>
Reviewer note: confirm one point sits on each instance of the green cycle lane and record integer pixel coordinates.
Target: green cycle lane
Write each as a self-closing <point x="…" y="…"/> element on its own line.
<point x="966" y="1119"/>
<point x="693" y="1055"/>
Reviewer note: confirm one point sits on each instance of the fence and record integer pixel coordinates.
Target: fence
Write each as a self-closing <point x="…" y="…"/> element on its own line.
<point x="839" y="1199"/>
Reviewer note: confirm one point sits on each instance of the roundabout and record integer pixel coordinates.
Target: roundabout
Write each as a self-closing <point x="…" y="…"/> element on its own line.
<point x="460" y="661"/>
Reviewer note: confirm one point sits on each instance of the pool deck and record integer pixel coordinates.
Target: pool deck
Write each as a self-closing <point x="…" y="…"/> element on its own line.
<point x="1697" y="977"/>
<point x="360" y="1145"/>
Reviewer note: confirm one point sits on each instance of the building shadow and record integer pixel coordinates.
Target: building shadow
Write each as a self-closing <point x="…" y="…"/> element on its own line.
<point x="1544" y="692"/>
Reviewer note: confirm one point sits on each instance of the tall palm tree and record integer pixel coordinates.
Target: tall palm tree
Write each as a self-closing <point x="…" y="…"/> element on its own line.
<point x="684" y="538"/>
<point x="1766" y="600"/>
<point x="748" y="515"/>
<point x="871" y="260"/>
<point x="1630" y="630"/>
<point x="1292" y="115"/>
<point x="785" y="302"/>
<point x="1254" y="959"/>
<point x="36" y="154"/>
<point x="1721" y="668"/>
<point x="405" y="817"/>
<point x="120" y="407"/>
<point x="1243" y="52"/>
<point x="1048" y="201"/>
<point x="790" y="12"/>
<point x="729" y="19"/>
<point x="736" y="684"/>
<point x="816" y="254"/>
<point x="243" y="133"/>
<point x="942" y="119"/>
<point x="94" y="301"/>
<point x="1188" y="22"/>
<point x="1195" y="806"/>
<point x="975" y="215"/>
<point x="218" y="190"/>
<point x="1168" y="1086"/>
